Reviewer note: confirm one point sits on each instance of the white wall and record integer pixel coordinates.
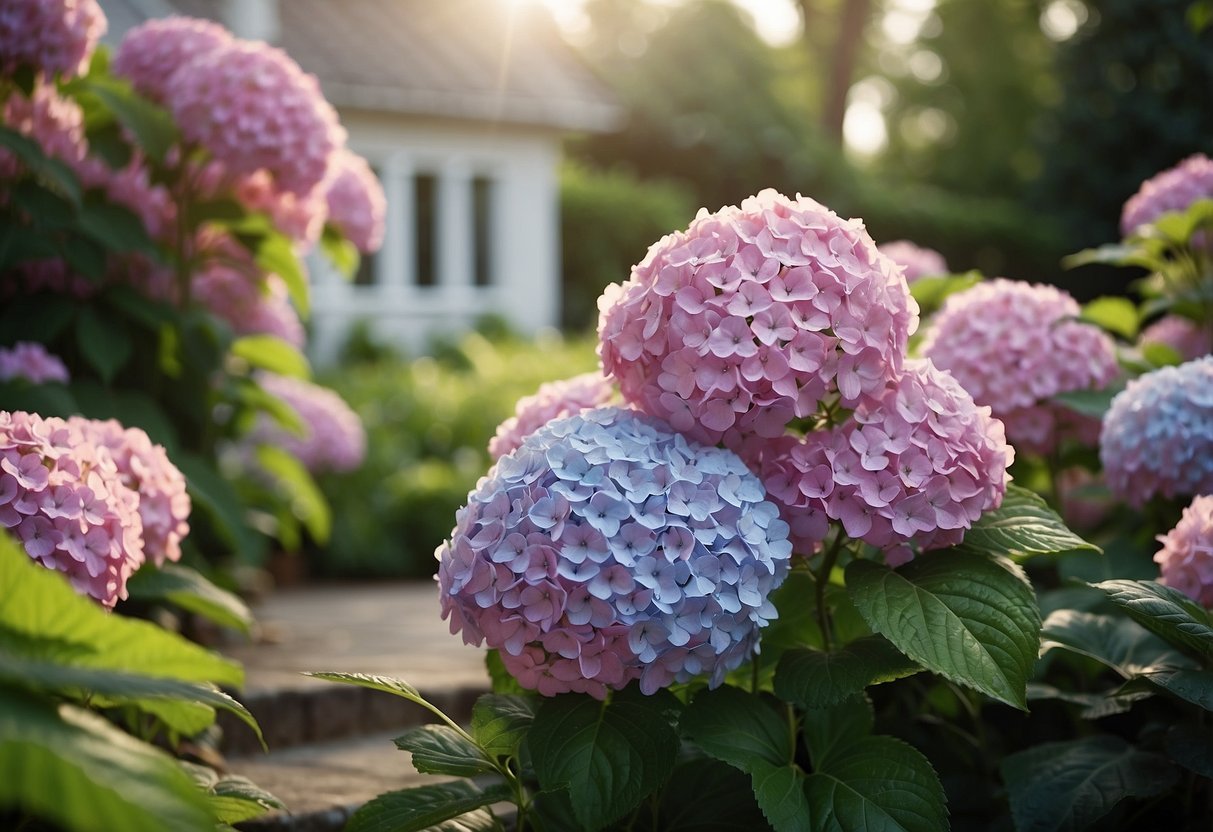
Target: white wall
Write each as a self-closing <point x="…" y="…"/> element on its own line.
<point x="525" y="235"/>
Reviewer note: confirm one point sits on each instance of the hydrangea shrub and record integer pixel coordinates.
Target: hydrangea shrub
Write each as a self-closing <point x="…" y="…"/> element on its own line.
<point x="1186" y="556"/>
<point x="915" y="261"/>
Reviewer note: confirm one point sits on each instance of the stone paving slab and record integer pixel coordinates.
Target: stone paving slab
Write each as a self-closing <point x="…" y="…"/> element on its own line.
<point x="387" y="628"/>
<point x="322" y="785"/>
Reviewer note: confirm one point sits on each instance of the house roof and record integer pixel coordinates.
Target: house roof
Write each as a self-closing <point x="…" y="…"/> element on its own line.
<point x="460" y="59"/>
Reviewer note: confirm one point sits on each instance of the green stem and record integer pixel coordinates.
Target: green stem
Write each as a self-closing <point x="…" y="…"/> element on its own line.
<point x="823" y="578"/>
<point x="792" y="726"/>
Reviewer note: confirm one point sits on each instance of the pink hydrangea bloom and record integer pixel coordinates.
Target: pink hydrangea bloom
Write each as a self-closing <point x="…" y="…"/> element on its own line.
<point x="250" y="305"/>
<point x="753" y="316"/>
<point x="253" y="108"/>
<point x="608" y="548"/>
<point x="1158" y="434"/>
<point x="300" y="217"/>
<point x="62" y="497"/>
<point x="555" y="400"/>
<point x="152" y="52"/>
<point x="30" y="360"/>
<point x="333" y="439"/>
<point x="915" y="261"/>
<point x="356" y="203"/>
<point x="143" y="467"/>
<point x="49" y="275"/>
<point x="132" y="188"/>
<point x="53" y="36"/>
<point x="56" y="123"/>
<point x="919" y="467"/>
<point x="1186" y="556"/>
<point x="1014" y="346"/>
<point x="1185" y="336"/>
<point x="1173" y="189"/>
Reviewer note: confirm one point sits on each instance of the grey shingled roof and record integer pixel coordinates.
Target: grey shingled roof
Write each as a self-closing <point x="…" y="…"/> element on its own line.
<point x="440" y="58"/>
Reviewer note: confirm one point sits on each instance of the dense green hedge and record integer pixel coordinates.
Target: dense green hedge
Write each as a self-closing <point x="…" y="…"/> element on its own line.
<point x="428" y="424"/>
<point x="608" y="220"/>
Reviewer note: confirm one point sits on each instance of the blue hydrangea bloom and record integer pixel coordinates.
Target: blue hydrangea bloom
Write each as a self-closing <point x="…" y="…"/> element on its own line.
<point x="1157" y="436"/>
<point x="607" y="548"/>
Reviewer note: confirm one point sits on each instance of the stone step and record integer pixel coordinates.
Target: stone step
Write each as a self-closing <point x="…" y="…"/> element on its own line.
<point x="386" y="628"/>
<point x="322" y="784"/>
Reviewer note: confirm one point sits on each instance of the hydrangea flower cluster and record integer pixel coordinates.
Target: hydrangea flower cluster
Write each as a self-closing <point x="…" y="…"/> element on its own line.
<point x="915" y="261"/>
<point x="334" y="438"/>
<point x="356" y="204"/>
<point x="1014" y="346"/>
<point x="253" y="108"/>
<point x="300" y="217"/>
<point x="608" y="548"/>
<point x="30" y="360"/>
<point x="1185" y="336"/>
<point x="554" y="400"/>
<point x="153" y="52"/>
<point x="919" y="467"/>
<point x="755" y="315"/>
<point x="1186" y="556"/>
<point x="1173" y="189"/>
<point x="144" y="467"/>
<point x="1158" y="434"/>
<point x="250" y="305"/>
<point x="56" y="123"/>
<point x="52" y="36"/>
<point x="61" y="495"/>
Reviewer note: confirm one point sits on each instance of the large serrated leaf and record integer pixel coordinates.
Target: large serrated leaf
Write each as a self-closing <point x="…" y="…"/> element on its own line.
<point x="1113" y="313"/>
<point x="780" y="793"/>
<point x="269" y="352"/>
<point x="299" y="487"/>
<point x="969" y="618"/>
<point x="825" y="729"/>
<point x="191" y="591"/>
<point x="275" y="254"/>
<point x="608" y="755"/>
<point x="440" y="749"/>
<point x="151" y="125"/>
<point x="104" y="342"/>
<point x="818" y="679"/>
<point x="107" y="688"/>
<point x="737" y="728"/>
<point x="417" y="809"/>
<point x="72" y="767"/>
<point x="1191" y="745"/>
<point x="1066" y="786"/>
<point x="43" y="619"/>
<point x="1021" y="528"/>
<point x="499" y="722"/>
<point x="706" y="795"/>
<point x="1166" y="612"/>
<point x="877" y="784"/>
<point x="1115" y="641"/>
<point x="233" y="798"/>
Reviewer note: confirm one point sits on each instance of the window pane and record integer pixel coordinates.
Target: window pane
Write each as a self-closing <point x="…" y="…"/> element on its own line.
<point x="425" y="230"/>
<point x="482" y="230"/>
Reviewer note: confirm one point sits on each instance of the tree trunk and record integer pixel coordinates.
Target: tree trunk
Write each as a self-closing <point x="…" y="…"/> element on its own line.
<point x="839" y="74"/>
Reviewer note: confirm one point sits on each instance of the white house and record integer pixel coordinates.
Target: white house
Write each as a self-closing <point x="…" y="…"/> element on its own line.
<point x="460" y="106"/>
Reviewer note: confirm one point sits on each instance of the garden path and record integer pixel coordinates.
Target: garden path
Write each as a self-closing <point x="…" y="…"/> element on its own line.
<point x="331" y="745"/>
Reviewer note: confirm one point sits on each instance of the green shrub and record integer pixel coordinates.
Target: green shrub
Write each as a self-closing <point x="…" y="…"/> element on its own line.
<point x="428" y="424"/>
<point x="608" y="220"/>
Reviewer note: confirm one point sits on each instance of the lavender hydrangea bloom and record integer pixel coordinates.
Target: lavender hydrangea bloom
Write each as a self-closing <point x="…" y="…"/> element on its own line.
<point x="1157" y="436"/>
<point x="1186" y="556"/>
<point x="356" y="203"/>
<point x="608" y="548"/>
<point x="553" y="400"/>
<point x="333" y="439"/>
<point x="1174" y="189"/>
<point x="30" y="360"/>
<point x="1014" y="346"/>
<point x="1188" y="338"/>
<point x="915" y="261"/>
